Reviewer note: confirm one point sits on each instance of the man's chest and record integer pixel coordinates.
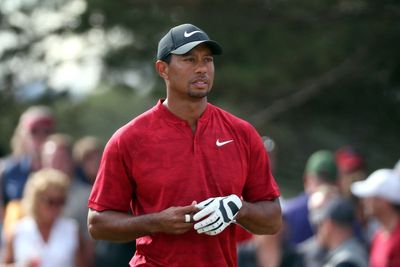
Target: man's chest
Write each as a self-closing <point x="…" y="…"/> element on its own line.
<point x="216" y="161"/>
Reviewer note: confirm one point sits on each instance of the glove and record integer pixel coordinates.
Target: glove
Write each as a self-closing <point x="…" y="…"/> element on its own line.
<point x="221" y="212"/>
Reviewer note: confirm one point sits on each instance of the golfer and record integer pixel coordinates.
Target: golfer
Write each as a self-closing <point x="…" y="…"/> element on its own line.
<point x="180" y="177"/>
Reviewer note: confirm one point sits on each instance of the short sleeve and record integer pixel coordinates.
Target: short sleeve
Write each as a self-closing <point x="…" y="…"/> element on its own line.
<point x="260" y="183"/>
<point x="114" y="186"/>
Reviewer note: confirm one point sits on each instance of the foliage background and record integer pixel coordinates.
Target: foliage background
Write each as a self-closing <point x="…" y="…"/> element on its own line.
<point x="310" y="74"/>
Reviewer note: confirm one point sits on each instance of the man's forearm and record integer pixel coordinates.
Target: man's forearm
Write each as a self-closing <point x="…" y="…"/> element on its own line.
<point x="122" y="227"/>
<point x="262" y="218"/>
<point x="117" y="226"/>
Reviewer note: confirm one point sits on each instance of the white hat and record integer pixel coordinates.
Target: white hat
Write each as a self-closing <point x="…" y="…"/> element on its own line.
<point x="382" y="183"/>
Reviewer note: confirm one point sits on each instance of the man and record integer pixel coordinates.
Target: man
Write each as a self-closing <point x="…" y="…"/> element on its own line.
<point x="181" y="152"/>
<point x="333" y="217"/>
<point x="57" y="154"/>
<point x="351" y="168"/>
<point x="320" y="169"/>
<point x="381" y="199"/>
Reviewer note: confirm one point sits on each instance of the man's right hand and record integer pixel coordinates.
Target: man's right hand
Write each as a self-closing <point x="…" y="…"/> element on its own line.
<point x="172" y="220"/>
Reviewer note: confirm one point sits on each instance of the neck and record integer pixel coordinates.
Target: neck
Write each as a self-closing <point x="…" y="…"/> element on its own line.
<point x="389" y="222"/>
<point x="338" y="238"/>
<point x="188" y="111"/>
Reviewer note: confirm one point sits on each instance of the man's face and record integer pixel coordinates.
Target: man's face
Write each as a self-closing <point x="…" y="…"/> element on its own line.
<point x="372" y="206"/>
<point x="191" y="74"/>
<point x="36" y="134"/>
<point x="57" y="157"/>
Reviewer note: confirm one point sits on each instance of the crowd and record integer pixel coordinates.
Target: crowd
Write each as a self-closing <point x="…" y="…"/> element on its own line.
<point x="344" y="217"/>
<point x="45" y="185"/>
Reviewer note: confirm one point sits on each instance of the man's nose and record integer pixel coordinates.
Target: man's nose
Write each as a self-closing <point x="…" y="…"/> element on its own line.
<point x="201" y="67"/>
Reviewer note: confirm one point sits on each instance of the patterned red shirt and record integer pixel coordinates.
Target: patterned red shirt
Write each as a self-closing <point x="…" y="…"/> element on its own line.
<point x="156" y="161"/>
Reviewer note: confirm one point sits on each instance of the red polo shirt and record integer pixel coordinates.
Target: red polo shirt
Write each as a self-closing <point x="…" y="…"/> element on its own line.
<point x="156" y="161"/>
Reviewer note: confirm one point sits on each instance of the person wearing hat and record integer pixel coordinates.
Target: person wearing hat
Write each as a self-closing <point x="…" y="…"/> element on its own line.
<point x="320" y="169"/>
<point x="351" y="167"/>
<point x="333" y="217"/>
<point x="187" y="169"/>
<point x="380" y="193"/>
<point x="34" y="126"/>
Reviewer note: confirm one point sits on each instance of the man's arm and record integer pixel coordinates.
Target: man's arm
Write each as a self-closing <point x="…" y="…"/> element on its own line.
<point x="122" y="227"/>
<point x="261" y="218"/>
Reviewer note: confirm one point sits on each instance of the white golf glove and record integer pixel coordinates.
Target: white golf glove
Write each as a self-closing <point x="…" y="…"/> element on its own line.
<point x="221" y="212"/>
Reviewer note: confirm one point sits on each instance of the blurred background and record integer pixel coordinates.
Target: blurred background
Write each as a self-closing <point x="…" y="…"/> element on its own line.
<point x="309" y="74"/>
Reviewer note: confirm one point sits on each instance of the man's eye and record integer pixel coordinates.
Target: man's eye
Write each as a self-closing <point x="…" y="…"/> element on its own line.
<point x="209" y="59"/>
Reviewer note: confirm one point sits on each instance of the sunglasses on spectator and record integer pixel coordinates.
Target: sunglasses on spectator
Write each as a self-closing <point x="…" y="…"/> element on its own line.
<point x="54" y="201"/>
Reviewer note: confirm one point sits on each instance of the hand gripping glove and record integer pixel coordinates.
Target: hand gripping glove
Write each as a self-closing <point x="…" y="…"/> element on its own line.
<point x="221" y="212"/>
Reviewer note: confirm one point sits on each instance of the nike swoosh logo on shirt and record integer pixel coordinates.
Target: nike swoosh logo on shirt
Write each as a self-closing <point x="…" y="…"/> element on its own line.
<point x="218" y="143"/>
<point x="188" y="34"/>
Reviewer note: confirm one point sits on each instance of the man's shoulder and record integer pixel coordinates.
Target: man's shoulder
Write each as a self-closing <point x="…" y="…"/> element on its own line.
<point x="11" y="165"/>
<point x="9" y="162"/>
<point x="350" y="253"/>
<point x="139" y="122"/>
<point x="229" y="117"/>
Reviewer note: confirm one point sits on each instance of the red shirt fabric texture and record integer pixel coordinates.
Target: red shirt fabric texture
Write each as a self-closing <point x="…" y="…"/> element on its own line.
<point x="385" y="249"/>
<point x="156" y="161"/>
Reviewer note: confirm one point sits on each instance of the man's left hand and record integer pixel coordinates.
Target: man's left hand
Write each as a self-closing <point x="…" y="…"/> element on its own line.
<point x="221" y="212"/>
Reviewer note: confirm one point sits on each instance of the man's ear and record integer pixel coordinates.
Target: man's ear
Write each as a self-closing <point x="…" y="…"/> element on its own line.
<point x="162" y="69"/>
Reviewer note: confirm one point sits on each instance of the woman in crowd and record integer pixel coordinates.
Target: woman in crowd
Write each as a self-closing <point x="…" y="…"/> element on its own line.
<point x="43" y="238"/>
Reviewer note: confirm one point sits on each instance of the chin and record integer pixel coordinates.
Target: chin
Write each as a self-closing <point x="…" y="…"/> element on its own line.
<point x="198" y="94"/>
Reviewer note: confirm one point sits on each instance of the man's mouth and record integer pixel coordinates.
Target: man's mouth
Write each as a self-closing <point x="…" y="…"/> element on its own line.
<point x="200" y="83"/>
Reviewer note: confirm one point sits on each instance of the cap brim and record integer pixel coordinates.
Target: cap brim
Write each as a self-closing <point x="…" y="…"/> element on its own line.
<point x="363" y="189"/>
<point x="216" y="49"/>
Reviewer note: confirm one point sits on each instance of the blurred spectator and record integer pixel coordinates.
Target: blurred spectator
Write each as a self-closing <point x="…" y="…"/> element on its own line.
<point x="34" y="125"/>
<point x="320" y="169"/>
<point x="43" y="238"/>
<point x="333" y="217"/>
<point x="57" y="154"/>
<point x="381" y="199"/>
<point x="87" y="155"/>
<point x="243" y="236"/>
<point x="311" y="250"/>
<point x="279" y="249"/>
<point x="275" y="250"/>
<point x="351" y="168"/>
<point x="268" y="250"/>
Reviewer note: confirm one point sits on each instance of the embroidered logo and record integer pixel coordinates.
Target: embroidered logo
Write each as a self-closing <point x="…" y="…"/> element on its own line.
<point x="219" y="143"/>
<point x="188" y="34"/>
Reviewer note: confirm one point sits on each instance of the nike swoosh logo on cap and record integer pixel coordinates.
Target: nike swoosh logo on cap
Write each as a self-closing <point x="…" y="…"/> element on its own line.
<point x="218" y="143"/>
<point x="188" y="34"/>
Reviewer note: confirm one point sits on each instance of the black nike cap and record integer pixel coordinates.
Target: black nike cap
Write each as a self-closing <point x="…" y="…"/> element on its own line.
<point x="183" y="38"/>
